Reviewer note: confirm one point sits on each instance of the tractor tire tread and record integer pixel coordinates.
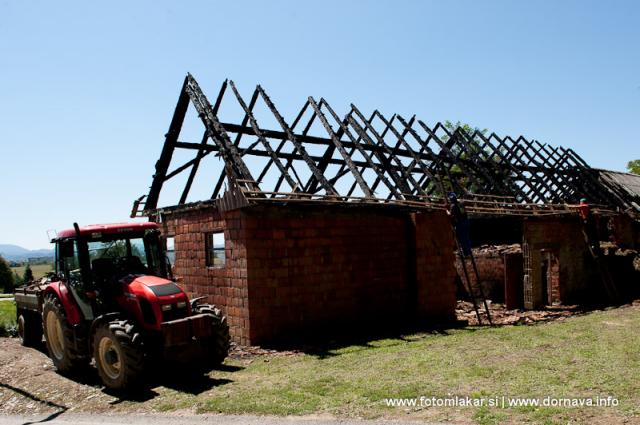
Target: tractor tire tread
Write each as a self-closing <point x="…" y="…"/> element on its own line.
<point x="74" y="360"/>
<point x="130" y="340"/>
<point x="218" y="344"/>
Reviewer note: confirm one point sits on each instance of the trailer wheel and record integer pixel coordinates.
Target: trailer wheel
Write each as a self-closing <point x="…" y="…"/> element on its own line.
<point x="119" y="355"/>
<point x="29" y="328"/>
<point x="216" y="347"/>
<point x="58" y="336"/>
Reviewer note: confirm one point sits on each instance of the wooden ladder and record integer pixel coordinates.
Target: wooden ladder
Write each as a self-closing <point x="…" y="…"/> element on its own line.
<point x="475" y="291"/>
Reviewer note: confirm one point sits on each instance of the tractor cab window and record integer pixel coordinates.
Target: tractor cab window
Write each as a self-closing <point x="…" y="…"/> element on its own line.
<point x="68" y="263"/>
<point x="114" y="258"/>
<point x="117" y="258"/>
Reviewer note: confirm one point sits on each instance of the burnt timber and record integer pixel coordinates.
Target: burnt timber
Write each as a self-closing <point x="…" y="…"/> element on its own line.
<point x="371" y="160"/>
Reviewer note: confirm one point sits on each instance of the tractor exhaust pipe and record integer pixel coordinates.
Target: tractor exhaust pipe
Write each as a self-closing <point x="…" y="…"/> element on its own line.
<point x="83" y="257"/>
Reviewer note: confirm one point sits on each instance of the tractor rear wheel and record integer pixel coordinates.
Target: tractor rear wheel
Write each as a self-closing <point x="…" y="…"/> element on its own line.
<point x="58" y="336"/>
<point x="119" y="355"/>
<point x="29" y="328"/>
<point x="216" y="347"/>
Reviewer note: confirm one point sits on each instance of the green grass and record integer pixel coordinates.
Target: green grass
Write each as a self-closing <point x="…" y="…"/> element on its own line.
<point x="39" y="270"/>
<point x="592" y="355"/>
<point x="7" y="317"/>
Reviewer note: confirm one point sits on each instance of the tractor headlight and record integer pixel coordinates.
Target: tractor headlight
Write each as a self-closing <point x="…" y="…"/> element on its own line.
<point x="182" y="304"/>
<point x="165" y="307"/>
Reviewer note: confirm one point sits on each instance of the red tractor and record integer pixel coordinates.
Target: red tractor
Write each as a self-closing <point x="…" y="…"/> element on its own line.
<point x="111" y="298"/>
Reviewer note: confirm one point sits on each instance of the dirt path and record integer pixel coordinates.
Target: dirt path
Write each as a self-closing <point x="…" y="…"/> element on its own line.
<point x="29" y="384"/>
<point x="83" y="419"/>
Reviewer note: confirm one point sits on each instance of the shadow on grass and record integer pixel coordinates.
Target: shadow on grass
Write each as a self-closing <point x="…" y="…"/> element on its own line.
<point x="324" y="343"/>
<point x="178" y="379"/>
<point x="194" y="384"/>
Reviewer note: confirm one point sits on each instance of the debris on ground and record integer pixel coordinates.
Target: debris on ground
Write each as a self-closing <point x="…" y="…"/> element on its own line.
<point x="247" y="352"/>
<point x="485" y="250"/>
<point x="501" y="316"/>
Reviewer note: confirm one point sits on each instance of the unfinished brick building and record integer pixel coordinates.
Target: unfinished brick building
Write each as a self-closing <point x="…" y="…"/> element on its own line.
<point x="330" y="223"/>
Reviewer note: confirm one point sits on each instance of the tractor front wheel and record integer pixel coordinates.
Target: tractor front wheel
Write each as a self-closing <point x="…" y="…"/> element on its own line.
<point x="119" y="356"/>
<point x="216" y="347"/>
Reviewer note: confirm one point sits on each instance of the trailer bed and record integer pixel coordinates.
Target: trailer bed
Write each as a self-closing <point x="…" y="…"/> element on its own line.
<point x="29" y="297"/>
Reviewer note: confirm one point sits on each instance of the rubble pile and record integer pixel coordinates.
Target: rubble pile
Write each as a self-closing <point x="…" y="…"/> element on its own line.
<point x="497" y="250"/>
<point x="501" y="316"/>
<point x="247" y="352"/>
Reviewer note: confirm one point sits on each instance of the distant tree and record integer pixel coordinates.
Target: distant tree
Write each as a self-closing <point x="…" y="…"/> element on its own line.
<point x="28" y="274"/>
<point x="6" y="277"/>
<point x="17" y="279"/>
<point x="634" y="166"/>
<point x="474" y="147"/>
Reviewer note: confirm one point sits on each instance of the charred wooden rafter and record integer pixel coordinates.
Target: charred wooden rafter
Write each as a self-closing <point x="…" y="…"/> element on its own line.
<point x="387" y="160"/>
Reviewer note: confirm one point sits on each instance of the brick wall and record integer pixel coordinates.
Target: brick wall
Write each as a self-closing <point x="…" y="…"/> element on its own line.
<point x="551" y="276"/>
<point x="295" y="271"/>
<point x="225" y="286"/>
<point x="435" y="273"/>
<point x="312" y="269"/>
<point x="491" y="271"/>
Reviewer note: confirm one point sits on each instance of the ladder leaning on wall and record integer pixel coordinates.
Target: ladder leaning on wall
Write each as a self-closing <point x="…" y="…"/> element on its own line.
<point x="475" y="292"/>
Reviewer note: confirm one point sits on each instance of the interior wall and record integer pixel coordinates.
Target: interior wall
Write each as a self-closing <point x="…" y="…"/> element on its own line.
<point x="575" y="278"/>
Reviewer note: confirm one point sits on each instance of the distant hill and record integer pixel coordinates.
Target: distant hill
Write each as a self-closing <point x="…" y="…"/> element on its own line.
<point x="18" y="253"/>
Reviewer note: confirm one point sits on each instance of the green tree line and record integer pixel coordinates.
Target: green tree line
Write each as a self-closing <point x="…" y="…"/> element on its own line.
<point x="10" y="279"/>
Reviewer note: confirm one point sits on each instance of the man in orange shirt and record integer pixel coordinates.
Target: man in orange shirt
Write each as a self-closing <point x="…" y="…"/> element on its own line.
<point x="583" y="209"/>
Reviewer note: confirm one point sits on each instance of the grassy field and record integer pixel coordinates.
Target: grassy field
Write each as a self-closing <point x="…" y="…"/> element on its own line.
<point x="39" y="270"/>
<point x="587" y="356"/>
<point x="7" y="316"/>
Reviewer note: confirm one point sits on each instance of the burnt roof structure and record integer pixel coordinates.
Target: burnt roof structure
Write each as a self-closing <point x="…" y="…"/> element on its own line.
<point x="358" y="159"/>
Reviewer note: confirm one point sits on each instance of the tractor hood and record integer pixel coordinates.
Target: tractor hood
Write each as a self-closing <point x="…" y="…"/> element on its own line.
<point x="158" y="286"/>
<point x="154" y="300"/>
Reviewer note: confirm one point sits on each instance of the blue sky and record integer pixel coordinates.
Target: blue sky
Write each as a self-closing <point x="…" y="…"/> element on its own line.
<point x="87" y="89"/>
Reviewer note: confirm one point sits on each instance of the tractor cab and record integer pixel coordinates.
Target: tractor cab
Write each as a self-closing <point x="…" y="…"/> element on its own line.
<point x="95" y="259"/>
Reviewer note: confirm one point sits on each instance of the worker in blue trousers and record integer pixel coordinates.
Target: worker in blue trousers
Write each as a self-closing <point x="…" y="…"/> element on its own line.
<point x="456" y="210"/>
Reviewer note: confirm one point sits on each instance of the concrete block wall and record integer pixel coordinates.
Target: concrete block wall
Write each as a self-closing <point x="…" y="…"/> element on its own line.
<point x="513" y="280"/>
<point x="626" y="232"/>
<point x="564" y="238"/>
